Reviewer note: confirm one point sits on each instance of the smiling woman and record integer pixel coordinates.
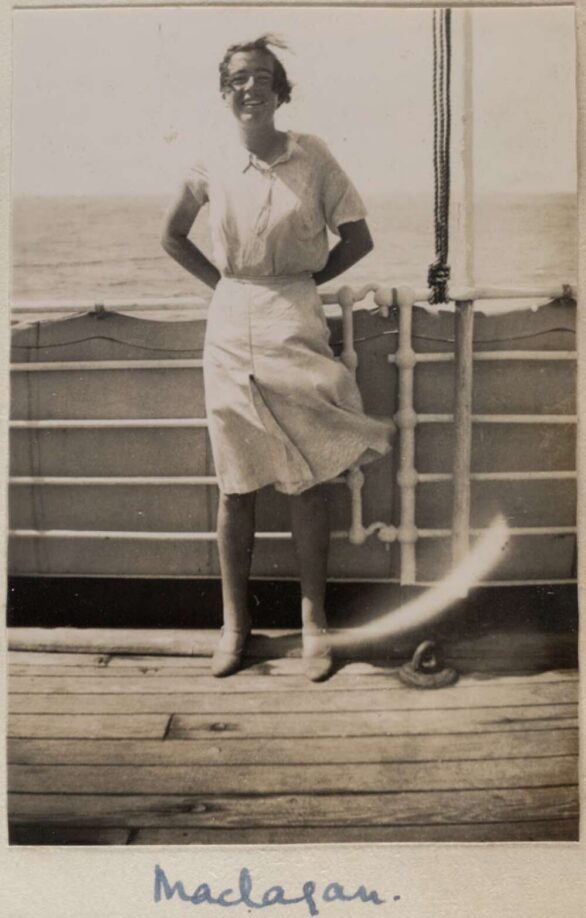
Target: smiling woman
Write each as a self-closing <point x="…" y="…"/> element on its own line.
<point x="254" y="60"/>
<point x="249" y="86"/>
<point x="281" y="410"/>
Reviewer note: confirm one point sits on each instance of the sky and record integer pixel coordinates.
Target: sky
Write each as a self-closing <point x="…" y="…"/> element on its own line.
<point x="116" y="101"/>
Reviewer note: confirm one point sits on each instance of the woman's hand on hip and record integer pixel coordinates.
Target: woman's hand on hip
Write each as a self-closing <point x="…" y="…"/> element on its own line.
<point x="175" y="239"/>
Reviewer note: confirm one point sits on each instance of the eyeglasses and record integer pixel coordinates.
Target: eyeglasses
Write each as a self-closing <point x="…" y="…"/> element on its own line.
<point x="241" y="80"/>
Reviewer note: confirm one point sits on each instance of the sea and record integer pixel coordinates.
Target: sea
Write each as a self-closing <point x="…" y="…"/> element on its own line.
<point x="107" y="249"/>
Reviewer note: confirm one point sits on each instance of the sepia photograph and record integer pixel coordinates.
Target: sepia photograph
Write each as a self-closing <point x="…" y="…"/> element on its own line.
<point x="292" y="536"/>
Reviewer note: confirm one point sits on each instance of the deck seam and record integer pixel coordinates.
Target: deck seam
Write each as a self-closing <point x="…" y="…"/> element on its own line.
<point x="273" y="765"/>
<point x="150" y="739"/>
<point x="463" y="707"/>
<point x="167" y="729"/>
<point x="355" y="825"/>
<point x="299" y="795"/>
<point x="297" y="737"/>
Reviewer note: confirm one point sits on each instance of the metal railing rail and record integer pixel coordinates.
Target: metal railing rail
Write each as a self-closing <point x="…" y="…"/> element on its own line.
<point x="383" y="297"/>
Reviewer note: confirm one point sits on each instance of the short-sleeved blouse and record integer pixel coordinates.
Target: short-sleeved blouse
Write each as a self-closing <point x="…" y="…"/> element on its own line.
<point x="273" y="219"/>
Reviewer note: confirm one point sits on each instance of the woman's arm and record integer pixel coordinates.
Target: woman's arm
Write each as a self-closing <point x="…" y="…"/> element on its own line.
<point x="355" y="242"/>
<point x="176" y="243"/>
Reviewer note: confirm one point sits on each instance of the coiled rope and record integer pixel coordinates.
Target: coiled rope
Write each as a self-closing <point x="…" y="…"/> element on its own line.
<point x="439" y="271"/>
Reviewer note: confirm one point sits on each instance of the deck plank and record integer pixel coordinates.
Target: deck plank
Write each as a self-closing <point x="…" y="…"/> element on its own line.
<point x="373" y="723"/>
<point x="186" y="683"/>
<point x="534" y="830"/>
<point x="165" y="665"/>
<point x="193" y="667"/>
<point x="370" y="723"/>
<point x="295" y="779"/>
<point x="32" y="834"/>
<point x="276" y="666"/>
<point x="375" y="699"/>
<point x="438" y="807"/>
<point x="328" y="750"/>
<point x="88" y="725"/>
<point x="244" y="681"/>
<point x="267" y="726"/>
<point x="31" y="658"/>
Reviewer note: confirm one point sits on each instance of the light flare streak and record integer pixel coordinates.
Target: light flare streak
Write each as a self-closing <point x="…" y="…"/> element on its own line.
<point x="436" y="601"/>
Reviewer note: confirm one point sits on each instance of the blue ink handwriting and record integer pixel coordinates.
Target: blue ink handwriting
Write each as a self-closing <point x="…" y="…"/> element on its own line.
<point x="275" y="895"/>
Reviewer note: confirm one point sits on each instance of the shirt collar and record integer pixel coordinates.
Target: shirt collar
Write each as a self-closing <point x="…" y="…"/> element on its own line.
<point x="247" y="159"/>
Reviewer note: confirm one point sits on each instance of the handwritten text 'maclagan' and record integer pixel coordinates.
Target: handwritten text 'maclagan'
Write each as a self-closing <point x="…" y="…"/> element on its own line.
<point x="274" y="895"/>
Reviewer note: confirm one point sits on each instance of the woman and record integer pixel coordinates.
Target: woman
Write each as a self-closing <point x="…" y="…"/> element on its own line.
<point x="281" y="410"/>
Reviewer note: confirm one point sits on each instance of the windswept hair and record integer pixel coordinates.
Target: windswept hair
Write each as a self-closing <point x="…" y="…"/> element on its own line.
<point x="281" y="83"/>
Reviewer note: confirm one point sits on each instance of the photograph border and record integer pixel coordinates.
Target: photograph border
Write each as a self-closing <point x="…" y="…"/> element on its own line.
<point x="433" y="880"/>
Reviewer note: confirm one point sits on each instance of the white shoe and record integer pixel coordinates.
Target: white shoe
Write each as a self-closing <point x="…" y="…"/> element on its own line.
<point x="229" y="651"/>
<point x="317" y="655"/>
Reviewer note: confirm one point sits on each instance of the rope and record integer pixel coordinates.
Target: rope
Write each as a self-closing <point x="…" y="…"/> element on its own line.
<point x="336" y="342"/>
<point x="113" y="340"/>
<point x="439" y="271"/>
<point x="546" y="331"/>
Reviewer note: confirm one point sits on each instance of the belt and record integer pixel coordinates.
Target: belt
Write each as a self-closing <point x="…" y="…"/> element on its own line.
<point x="267" y="279"/>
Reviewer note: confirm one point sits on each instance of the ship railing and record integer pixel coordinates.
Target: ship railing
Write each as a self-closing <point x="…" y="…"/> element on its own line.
<point x="403" y="299"/>
<point x="195" y="304"/>
<point x="400" y="300"/>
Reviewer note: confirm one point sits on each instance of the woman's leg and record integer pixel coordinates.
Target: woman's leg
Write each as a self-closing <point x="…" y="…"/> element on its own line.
<point x="311" y="533"/>
<point x="235" y="542"/>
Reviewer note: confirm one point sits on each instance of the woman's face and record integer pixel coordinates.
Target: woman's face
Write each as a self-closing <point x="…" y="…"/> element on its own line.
<point x="249" y="92"/>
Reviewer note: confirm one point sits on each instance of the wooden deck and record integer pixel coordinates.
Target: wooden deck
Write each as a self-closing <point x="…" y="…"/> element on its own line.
<point x="121" y="748"/>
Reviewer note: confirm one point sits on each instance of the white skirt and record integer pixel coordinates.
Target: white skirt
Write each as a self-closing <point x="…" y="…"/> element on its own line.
<point x="281" y="409"/>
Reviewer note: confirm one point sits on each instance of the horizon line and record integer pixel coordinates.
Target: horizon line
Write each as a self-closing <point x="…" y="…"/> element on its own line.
<point x="387" y="193"/>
